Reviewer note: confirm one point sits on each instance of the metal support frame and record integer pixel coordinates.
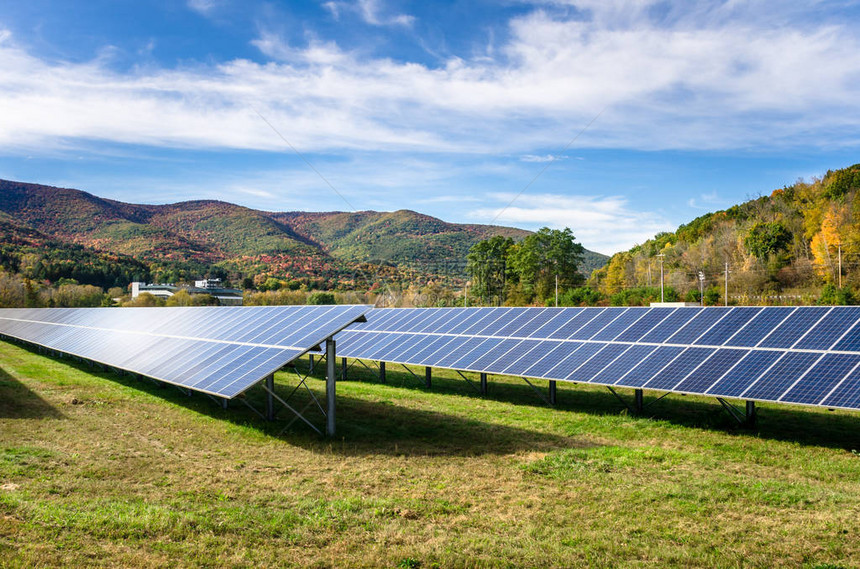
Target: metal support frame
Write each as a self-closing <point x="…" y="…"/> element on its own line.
<point x="552" y="392"/>
<point x="270" y="401"/>
<point x="639" y="404"/>
<point x="310" y="363"/>
<point x="270" y="412"/>
<point x="747" y="418"/>
<point x="483" y="383"/>
<point x="343" y="368"/>
<point x="538" y="392"/>
<point x="428" y="377"/>
<point x="415" y="375"/>
<point x="469" y="381"/>
<point x="382" y="372"/>
<point x="330" y="386"/>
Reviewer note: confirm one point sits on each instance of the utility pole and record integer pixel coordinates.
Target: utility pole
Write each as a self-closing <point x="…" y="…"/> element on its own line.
<point x="556" y="291"/>
<point x="727" y="283"/>
<point x="649" y="273"/>
<point x="701" y="288"/>
<point x="661" y="255"/>
<point x="840" y="265"/>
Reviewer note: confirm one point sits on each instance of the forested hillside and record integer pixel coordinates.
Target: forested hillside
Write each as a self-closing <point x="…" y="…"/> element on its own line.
<point x="785" y="246"/>
<point x="59" y="233"/>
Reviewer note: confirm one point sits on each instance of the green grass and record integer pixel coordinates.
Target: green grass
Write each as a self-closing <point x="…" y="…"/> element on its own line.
<point x="104" y="470"/>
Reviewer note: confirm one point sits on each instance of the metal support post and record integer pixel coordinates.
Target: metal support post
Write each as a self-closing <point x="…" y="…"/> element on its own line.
<point x="483" y="384"/>
<point x="638" y="401"/>
<point x="750" y="413"/>
<point x="311" y="364"/>
<point x="343" y="368"/>
<point x="382" y="372"/>
<point x="552" y="392"/>
<point x="270" y="401"/>
<point x="330" y="383"/>
<point x="428" y="376"/>
<point x="224" y="402"/>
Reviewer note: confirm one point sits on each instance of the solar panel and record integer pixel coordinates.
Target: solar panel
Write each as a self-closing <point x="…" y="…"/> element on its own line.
<point x="807" y="355"/>
<point x="221" y="351"/>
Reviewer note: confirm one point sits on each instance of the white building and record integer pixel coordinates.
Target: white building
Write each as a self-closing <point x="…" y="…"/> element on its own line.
<point x="225" y="296"/>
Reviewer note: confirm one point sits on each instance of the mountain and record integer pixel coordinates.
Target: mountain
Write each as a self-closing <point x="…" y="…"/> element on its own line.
<point x="180" y="239"/>
<point x="783" y="246"/>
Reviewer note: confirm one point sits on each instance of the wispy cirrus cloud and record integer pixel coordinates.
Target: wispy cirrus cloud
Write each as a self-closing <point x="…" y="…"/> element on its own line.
<point x="372" y="12"/>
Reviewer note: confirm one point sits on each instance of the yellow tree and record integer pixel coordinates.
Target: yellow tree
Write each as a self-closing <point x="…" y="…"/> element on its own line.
<point x="825" y="244"/>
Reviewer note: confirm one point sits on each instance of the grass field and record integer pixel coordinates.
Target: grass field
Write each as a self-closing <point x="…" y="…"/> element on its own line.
<point x="104" y="470"/>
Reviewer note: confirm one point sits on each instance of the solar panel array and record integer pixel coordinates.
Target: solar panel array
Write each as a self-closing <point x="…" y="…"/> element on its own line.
<point x="806" y="355"/>
<point x="216" y="350"/>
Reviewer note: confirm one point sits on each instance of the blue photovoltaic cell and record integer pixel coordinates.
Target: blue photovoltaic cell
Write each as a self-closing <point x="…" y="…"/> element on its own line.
<point x="846" y="394"/>
<point x="706" y="319"/>
<point x="469" y="356"/>
<point x="726" y="352"/>
<point x="467" y="319"/>
<point x="763" y="324"/>
<point x="728" y="326"/>
<point x="778" y="378"/>
<point x="544" y="316"/>
<point x="552" y="354"/>
<point x="396" y="351"/>
<point x="737" y="379"/>
<point x="793" y="327"/>
<point x="600" y="360"/>
<point x="647" y="368"/>
<point x="850" y="342"/>
<point x="679" y="368"/>
<point x="595" y="325"/>
<point x="440" y="324"/>
<point x="671" y="324"/>
<point x="623" y="364"/>
<point x="612" y="330"/>
<point x="491" y="354"/>
<point x="573" y="360"/>
<point x="561" y="330"/>
<point x="710" y="371"/>
<point x="449" y="356"/>
<point x="829" y="329"/>
<point x="219" y="350"/>
<point x="380" y="344"/>
<point x="555" y="318"/>
<point x="510" y="359"/>
<point x="434" y="344"/>
<point x="821" y="379"/>
<point x="513" y="320"/>
<point x="645" y="324"/>
<point x="490" y="315"/>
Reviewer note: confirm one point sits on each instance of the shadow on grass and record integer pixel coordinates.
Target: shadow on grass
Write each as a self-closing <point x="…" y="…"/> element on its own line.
<point x="384" y="427"/>
<point x="17" y="401"/>
<point x="363" y="427"/>
<point x="803" y="425"/>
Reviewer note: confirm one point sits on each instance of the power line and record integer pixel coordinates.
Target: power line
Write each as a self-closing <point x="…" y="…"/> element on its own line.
<point x="548" y="164"/>
<point x="306" y="161"/>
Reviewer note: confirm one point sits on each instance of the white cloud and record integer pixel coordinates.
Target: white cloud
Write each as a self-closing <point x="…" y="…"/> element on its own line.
<point x="712" y="77"/>
<point x="544" y="158"/>
<point x="370" y="11"/>
<point x="204" y="7"/>
<point x="602" y="223"/>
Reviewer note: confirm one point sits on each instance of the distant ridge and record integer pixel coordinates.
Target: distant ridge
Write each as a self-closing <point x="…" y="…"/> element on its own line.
<point x="237" y="238"/>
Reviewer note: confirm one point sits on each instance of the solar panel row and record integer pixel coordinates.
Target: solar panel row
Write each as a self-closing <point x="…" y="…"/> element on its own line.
<point x="221" y="351"/>
<point x="807" y="355"/>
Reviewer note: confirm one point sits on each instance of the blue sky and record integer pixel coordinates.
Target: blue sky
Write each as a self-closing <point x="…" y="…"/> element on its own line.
<point x="617" y="119"/>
